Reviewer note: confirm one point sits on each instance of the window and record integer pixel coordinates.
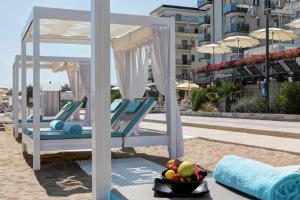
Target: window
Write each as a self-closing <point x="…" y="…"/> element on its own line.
<point x="193" y="58"/>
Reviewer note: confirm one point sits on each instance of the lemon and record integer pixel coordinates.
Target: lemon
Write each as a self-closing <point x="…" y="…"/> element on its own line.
<point x="170" y="174"/>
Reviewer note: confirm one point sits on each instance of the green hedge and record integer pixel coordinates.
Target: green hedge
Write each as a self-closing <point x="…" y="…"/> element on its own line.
<point x="289" y="98"/>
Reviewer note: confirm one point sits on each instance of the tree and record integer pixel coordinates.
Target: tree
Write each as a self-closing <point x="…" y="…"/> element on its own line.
<point x="65" y="87"/>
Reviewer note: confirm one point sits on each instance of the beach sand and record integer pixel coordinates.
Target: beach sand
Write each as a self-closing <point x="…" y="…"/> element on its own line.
<point x="61" y="178"/>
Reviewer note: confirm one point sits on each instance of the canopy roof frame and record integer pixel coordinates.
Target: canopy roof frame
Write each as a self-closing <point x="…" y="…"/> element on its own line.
<point x="101" y="180"/>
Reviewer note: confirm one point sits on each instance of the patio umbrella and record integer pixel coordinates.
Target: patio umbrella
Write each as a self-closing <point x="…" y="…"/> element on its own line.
<point x="187" y="87"/>
<point x="294" y="24"/>
<point x="214" y="49"/>
<point x="277" y="34"/>
<point x="240" y="42"/>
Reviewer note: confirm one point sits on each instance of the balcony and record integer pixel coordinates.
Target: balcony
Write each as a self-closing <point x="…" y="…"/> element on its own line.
<point x="183" y="62"/>
<point x="188" y="19"/>
<point x="203" y="56"/>
<point x="236" y="27"/>
<point x="186" y="30"/>
<point x="184" y="47"/>
<point x="204" y="4"/>
<point x="204" y="37"/>
<point x="204" y="20"/>
<point x="235" y="8"/>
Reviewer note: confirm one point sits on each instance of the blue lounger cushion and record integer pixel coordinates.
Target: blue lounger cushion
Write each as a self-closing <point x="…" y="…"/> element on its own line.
<point x="48" y="134"/>
<point x="134" y="106"/>
<point x="71" y="128"/>
<point x="57" y="125"/>
<point x="115" y="105"/>
<point x="257" y="179"/>
<point x="66" y="106"/>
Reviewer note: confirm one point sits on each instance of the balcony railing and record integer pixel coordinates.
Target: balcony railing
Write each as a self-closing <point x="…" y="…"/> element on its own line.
<point x="184" y="47"/>
<point x="205" y="37"/>
<point x="236" y="27"/>
<point x="203" y="56"/>
<point x="204" y="20"/>
<point x="235" y="7"/>
<point x="202" y="3"/>
<point x="183" y="62"/>
<point x="186" y="19"/>
<point x="186" y="30"/>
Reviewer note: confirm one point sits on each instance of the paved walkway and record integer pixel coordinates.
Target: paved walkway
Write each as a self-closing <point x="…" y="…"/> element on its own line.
<point x="262" y="141"/>
<point x="263" y="127"/>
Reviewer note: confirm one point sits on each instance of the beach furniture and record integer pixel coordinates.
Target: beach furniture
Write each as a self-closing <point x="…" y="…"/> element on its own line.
<point x="64" y="115"/>
<point x="117" y="107"/>
<point x="121" y="131"/>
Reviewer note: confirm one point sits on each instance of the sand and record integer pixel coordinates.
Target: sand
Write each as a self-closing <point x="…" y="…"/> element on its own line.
<point x="61" y="177"/>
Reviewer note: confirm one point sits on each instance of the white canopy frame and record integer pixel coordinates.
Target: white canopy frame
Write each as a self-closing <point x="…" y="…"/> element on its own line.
<point x="100" y="18"/>
<point x="46" y="62"/>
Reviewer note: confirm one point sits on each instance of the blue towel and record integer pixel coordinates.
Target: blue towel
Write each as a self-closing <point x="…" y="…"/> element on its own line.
<point x="71" y="128"/>
<point x="57" y="125"/>
<point x="257" y="179"/>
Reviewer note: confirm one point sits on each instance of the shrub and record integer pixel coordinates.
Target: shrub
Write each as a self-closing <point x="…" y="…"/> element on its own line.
<point x="249" y="105"/>
<point x="198" y="98"/>
<point x="289" y="98"/>
<point x="115" y="94"/>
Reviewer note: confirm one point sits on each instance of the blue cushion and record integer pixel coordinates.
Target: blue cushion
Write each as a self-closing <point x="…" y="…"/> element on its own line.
<point x="134" y="106"/>
<point x="257" y="179"/>
<point x="71" y="128"/>
<point x="66" y="105"/>
<point x="57" y="125"/>
<point x="115" y="105"/>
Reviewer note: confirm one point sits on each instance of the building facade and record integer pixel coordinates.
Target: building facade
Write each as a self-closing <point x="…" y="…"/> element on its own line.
<point x="188" y="32"/>
<point x="232" y="18"/>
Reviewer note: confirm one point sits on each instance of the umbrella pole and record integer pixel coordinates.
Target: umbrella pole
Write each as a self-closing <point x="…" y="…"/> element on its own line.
<point x="211" y="73"/>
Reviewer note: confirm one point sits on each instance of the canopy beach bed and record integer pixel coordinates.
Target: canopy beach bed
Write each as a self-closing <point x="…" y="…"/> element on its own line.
<point x="131" y="37"/>
<point x="55" y="64"/>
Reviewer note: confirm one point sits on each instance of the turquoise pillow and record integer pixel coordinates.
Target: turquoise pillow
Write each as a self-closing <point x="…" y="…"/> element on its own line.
<point x="57" y="125"/>
<point x="133" y="106"/>
<point x="115" y="105"/>
<point x="71" y="128"/>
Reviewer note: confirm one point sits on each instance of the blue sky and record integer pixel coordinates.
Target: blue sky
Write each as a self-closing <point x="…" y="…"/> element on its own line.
<point x="14" y="14"/>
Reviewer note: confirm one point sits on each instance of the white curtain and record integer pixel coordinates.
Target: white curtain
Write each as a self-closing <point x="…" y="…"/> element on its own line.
<point x="85" y="74"/>
<point x="76" y="88"/>
<point x="132" y="71"/>
<point x="161" y="74"/>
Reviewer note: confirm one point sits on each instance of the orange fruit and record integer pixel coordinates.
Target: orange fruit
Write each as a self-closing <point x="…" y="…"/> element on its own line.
<point x="170" y="174"/>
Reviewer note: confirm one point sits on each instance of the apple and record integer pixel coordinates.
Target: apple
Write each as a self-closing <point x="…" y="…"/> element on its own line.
<point x="177" y="177"/>
<point x="174" y="168"/>
<point x="170" y="174"/>
<point x="172" y="163"/>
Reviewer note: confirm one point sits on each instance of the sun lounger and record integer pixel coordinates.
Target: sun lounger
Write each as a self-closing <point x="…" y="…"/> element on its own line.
<point x="121" y="133"/>
<point x="64" y="115"/>
<point x="117" y="107"/>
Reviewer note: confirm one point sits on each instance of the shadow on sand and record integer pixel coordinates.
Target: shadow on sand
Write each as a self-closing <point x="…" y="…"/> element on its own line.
<point x="61" y="176"/>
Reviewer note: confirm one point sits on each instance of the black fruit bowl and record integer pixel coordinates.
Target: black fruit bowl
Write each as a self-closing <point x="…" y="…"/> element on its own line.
<point x="181" y="187"/>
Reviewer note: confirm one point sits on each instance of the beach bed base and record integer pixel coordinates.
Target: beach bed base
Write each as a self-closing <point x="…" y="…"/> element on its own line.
<point x="86" y="143"/>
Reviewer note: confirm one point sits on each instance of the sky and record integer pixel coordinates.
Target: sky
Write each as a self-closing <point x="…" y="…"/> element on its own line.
<point x="14" y="14"/>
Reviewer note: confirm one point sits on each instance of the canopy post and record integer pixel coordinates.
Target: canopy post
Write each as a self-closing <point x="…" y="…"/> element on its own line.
<point x="172" y="104"/>
<point x="24" y="82"/>
<point x="36" y="90"/>
<point x="100" y="92"/>
<point x="15" y="98"/>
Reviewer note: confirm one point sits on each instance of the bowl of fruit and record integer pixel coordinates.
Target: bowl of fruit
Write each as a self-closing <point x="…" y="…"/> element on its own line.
<point x="183" y="177"/>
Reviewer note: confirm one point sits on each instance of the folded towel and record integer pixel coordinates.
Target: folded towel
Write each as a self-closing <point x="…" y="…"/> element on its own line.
<point x="57" y="125"/>
<point x="257" y="179"/>
<point x="71" y="128"/>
